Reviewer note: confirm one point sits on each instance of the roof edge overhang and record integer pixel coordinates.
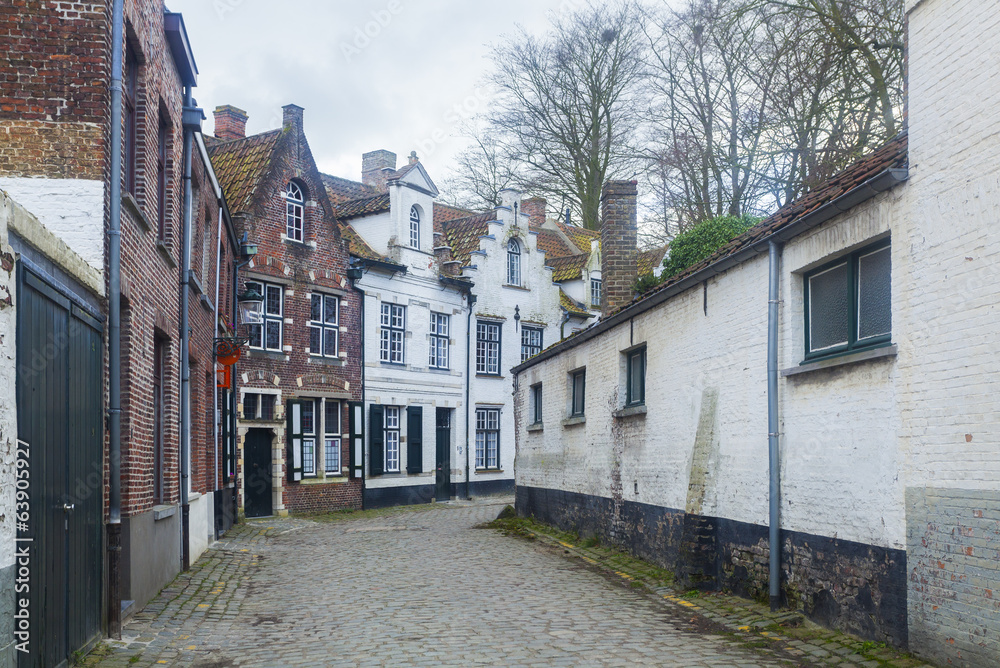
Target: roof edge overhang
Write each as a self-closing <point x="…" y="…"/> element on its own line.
<point x="380" y="265"/>
<point x="180" y="47"/>
<point x="860" y="194"/>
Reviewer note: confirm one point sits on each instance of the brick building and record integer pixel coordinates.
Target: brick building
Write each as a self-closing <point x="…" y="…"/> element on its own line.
<point x="302" y="370"/>
<point x="881" y="284"/>
<point x="55" y="130"/>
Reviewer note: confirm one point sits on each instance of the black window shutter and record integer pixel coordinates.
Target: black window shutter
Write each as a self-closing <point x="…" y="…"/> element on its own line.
<point x="293" y="464"/>
<point x="376" y="444"/>
<point x="415" y="439"/>
<point x="357" y="445"/>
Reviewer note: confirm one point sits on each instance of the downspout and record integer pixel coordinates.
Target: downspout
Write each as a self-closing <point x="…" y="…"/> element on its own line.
<point x="468" y="383"/>
<point x="216" y="418"/>
<point x="562" y="325"/>
<point x="774" y="545"/>
<point x="115" y="329"/>
<point x="185" y="472"/>
<point x="355" y="275"/>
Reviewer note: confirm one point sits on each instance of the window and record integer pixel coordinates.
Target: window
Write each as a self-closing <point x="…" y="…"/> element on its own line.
<point x="267" y="336"/>
<point x="161" y="178"/>
<point x="295" y="206"/>
<point x="595" y="293"/>
<point x="488" y="348"/>
<point x="323" y="326"/>
<point x="848" y="303"/>
<point x="159" y="346"/>
<point x="393" y="333"/>
<point x="130" y="92"/>
<point x="487" y="438"/>
<point x="536" y="404"/>
<point x="309" y="437"/>
<point x="531" y="342"/>
<point x="513" y="262"/>
<point x="331" y="444"/>
<point x="258" y="406"/>
<point x="414" y="227"/>
<point x="635" y="381"/>
<point x="440" y="331"/>
<point x="390" y="436"/>
<point x="579" y="382"/>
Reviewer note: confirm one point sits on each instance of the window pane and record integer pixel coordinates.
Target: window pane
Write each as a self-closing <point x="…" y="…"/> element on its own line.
<point x="331" y="311"/>
<point x="267" y="406"/>
<point x="331" y="421"/>
<point x="256" y="336"/>
<point x="273" y="302"/>
<point x="273" y="341"/>
<point x="316" y="310"/>
<point x="480" y="449"/>
<point x="874" y="298"/>
<point x="308" y="417"/>
<point x="330" y="342"/>
<point x="331" y="455"/>
<point x="829" y="309"/>
<point x="491" y="449"/>
<point x="442" y="357"/>
<point x="308" y="456"/>
<point x="384" y="346"/>
<point x="385" y="315"/>
<point x="315" y="336"/>
<point x="250" y="406"/>
<point x="578" y="393"/>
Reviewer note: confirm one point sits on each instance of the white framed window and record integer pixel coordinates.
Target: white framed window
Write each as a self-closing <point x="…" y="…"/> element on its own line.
<point x="439" y="346"/>
<point x="595" y="292"/>
<point x="268" y="335"/>
<point x="257" y="406"/>
<point x="531" y="342"/>
<point x="487" y="438"/>
<point x="488" y="348"/>
<point x="295" y="204"/>
<point x="513" y="262"/>
<point x="331" y="440"/>
<point x="309" y="438"/>
<point x="393" y="333"/>
<point x="390" y="435"/>
<point x="414" y="227"/>
<point x="324" y="326"/>
<point x="578" y="383"/>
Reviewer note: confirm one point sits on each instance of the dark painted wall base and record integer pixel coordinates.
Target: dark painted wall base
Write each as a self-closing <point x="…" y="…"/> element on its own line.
<point x="383" y="497"/>
<point x="845" y="585"/>
<point x="491" y="487"/>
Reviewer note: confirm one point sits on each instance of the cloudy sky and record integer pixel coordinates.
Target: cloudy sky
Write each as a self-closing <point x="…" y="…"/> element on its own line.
<point x="370" y="74"/>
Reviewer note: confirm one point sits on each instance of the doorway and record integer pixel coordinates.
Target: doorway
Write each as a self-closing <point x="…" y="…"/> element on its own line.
<point x="442" y="487"/>
<point x="258" y="485"/>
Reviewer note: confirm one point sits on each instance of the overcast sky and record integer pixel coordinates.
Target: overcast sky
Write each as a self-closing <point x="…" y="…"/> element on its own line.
<point x="370" y="74"/>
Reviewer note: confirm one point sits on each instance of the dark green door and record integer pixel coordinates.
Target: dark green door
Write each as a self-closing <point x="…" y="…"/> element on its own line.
<point x="61" y="440"/>
<point x="442" y="491"/>
<point x="259" y="485"/>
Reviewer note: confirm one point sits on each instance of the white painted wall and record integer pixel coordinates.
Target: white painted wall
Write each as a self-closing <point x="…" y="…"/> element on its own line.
<point x="72" y="209"/>
<point x="8" y="421"/>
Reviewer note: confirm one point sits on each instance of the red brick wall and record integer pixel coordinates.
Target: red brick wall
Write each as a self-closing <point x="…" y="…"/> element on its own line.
<point x="619" y="253"/>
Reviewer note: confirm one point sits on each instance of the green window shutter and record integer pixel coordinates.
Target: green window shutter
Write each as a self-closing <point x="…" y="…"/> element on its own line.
<point x="376" y="440"/>
<point x="293" y="439"/>
<point x="357" y="444"/>
<point x="415" y="439"/>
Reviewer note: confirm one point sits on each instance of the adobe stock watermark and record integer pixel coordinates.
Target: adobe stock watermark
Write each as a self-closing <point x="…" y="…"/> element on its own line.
<point x="223" y="7"/>
<point x="365" y="34"/>
<point x="22" y="550"/>
<point x="461" y="111"/>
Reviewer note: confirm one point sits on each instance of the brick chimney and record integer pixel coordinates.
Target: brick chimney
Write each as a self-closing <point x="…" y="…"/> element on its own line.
<point x="292" y="117"/>
<point x="230" y="122"/>
<point x="619" y="252"/>
<point x="534" y="207"/>
<point x="376" y="167"/>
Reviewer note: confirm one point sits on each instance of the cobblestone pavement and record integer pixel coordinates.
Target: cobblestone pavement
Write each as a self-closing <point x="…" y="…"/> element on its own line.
<point x="415" y="587"/>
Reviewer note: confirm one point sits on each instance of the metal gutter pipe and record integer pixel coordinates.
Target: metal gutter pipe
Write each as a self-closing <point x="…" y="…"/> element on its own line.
<point x="468" y="384"/>
<point x="774" y="496"/>
<point x="115" y="328"/>
<point x="185" y="337"/>
<point x="216" y="420"/>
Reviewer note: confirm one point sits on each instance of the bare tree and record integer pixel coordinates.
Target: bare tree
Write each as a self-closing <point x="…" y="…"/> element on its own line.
<point x="567" y="103"/>
<point x="481" y="171"/>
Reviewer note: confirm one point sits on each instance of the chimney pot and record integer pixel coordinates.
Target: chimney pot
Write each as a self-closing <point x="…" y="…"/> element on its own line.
<point x="376" y="166"/>
<point x="619" y="250"/>
<point x="230" y="122"/>
<point x="413" y="158"/>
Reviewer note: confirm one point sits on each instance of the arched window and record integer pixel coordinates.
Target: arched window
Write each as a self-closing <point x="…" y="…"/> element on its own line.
<point x="513" y="262"/>
<point x="414" y="227"/>
<point x="295" y="206"/>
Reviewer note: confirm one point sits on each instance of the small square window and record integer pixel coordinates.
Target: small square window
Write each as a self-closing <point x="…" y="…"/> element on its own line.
<point x="579" y="383"/>
<point x="635" y="381"/>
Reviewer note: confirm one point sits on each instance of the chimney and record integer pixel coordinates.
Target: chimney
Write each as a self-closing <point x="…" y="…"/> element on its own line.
<point x="619" y="253"/>
<point x="376" y="167"/>
<point x="413" y="158"/>
<point x="534" y="207"/>
<point x="230" y="122"/>
<point x="292" y="117"/>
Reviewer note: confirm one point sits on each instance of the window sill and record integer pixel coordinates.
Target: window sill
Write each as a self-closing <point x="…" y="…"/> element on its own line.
<point x="265" y="354"/>
<point x="489" y="375"/>
<point x="163" y="512"/>
<point x="401" y="365"/>
<point x="132" y="206"/>
<point x="261" y="421"/>
<point x="482" y="471"/>
<point x="329" y="480"/>
<point x="293" y="242"/>
<point x="516" y="287"/>
<point x="535" y="427"/>
<point x="165" y="253"/>
<point x="573" y="421"/>
<point x="325" y="361"/>
<point x="886" y="351"/>
<point x="630" y="411"/>
<point x="206" y="303"/>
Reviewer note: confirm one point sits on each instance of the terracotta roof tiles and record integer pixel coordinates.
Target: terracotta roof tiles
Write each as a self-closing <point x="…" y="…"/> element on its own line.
<point x="569" y="268"/>
<point x="341" y="190"/>
<point x="463" y="234"/>
<point x="364" y="206"/>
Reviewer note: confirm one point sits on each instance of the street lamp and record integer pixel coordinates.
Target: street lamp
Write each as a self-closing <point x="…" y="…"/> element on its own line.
<point x="251" y="307"/>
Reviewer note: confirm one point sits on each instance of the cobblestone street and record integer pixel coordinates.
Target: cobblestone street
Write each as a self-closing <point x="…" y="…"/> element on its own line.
<point x="411" y="587"/>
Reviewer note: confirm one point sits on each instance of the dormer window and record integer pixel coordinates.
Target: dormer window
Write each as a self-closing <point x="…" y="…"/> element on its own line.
<point x="414" y="227"/>
<point x="295" y="206"/>
<point x="513" y="262"/>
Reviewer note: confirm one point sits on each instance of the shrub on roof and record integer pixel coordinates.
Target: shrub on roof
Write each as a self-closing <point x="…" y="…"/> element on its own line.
<point x="691" y="247"/>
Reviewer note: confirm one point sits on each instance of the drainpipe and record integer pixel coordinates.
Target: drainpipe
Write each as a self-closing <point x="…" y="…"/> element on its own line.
<point x="185" y="337"/>
<point x="216" y="418"/>
<point x="774" y="544"/>
<point x="355" y="274"/>
<point x="468" y="383"/>
<point x="115" y="329"/>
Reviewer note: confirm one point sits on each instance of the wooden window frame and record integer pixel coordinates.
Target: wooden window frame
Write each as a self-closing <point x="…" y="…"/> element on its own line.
<point x="630" y="398"/>
<point x="578" y="392"/>
<point x="391" y="332"/>
<point x="387" y="431"/>
<point x="536" y="403"/>
<point x="439" y="354"/>
<point x="414" y="227"/>
<point x="483" y="436"/>
<point x="529" y="349"/>
<point x="278" y="318"/>
<point x="323" y="326"/>
<point x="487" y="347"/>
<point x="295" y="212"/>
<point x="514" y="262"/>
